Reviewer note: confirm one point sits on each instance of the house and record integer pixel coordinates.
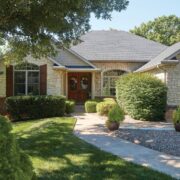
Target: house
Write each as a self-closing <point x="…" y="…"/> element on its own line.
<point x="90" y="69"/>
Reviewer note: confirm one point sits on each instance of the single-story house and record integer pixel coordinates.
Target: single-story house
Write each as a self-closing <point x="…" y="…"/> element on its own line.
<point x="90" y="69"/>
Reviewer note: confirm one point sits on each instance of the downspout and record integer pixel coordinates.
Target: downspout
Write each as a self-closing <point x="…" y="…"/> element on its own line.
<point x="165" y="73"/>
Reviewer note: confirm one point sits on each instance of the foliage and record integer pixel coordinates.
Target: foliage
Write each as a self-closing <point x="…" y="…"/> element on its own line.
<point x="142" y="96"/>
<point x="165" y="29"/>
<point x="70" y="106"/>
<point x="109" y="100"/>
<point x="31" y="26"/>
<point x="14" y="164"/>
<point x="116" y="114"/>
<point x="103" y="108"/>
<point x="176" y="116"/>
<point x="57" y="153"/>
<point x="90" y="106"/>
<point x="32" y="107"/>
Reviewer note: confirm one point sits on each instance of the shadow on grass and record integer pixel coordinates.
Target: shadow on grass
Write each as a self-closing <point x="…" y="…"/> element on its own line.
<point x="67" y="157"/>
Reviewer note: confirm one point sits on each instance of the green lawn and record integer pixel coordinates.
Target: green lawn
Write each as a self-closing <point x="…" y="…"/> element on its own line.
<point x="57" y="154"/>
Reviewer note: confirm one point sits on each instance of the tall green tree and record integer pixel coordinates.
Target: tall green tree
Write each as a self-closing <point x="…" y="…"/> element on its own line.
<point x="30" y="26"/>
<point x="165" y="29"/>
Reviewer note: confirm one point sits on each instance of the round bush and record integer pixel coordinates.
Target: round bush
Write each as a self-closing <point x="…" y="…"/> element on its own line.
<point x="103" y="108"/>
<point x="14" y="164"/>
<point x="70" y="106"/>
<point x="142" y="96"/>
<point x="116" y="114"/>
<point x="90" y="106"/>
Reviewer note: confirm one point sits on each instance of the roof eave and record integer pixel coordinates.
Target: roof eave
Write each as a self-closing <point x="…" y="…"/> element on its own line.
<point x="164" y="62"/>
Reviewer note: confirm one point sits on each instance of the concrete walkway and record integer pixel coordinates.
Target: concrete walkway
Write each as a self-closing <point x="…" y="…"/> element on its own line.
<point x="90" y="127"/>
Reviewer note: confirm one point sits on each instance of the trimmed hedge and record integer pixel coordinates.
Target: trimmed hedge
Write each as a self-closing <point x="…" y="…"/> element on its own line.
<point x="34" y="107"/>
<point x="70" y="106"/>
<point x="103" y="108"/>
<point x="90" y="106"/>
<point x="116" y="114"/>
<point x="14" y="164"/>
<point x="142" y="96"/>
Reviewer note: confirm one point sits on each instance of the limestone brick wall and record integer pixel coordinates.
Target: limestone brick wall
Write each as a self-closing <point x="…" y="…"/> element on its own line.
<point x="129" y="67"/>
<point x="173" y="83"/>
<point x="105" y="66"/>
<point x="2" y="80"/>
<point x="160" y="74"/>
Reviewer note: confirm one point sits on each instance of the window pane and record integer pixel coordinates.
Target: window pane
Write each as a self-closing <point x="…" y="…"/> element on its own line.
<point x="26" y="66"/>
<point x="33" y="77"/>
<point x="20" y="77"/>
<point x="113" y="81"/>
<point x="106" y="86"/>
<point x="19" y="89"/>
<point x="33" y="89"/>
<point x="112" y="91"/>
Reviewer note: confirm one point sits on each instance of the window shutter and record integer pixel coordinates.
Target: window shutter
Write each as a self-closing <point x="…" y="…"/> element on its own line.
<point x="9" y="81"/>
<point x="43" y="79"/>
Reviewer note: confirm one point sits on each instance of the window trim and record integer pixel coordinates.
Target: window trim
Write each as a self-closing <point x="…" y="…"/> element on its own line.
<point x="26" y="79"/>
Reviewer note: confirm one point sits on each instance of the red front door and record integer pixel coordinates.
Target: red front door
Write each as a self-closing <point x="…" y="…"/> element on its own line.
<point x="79" y="86"/>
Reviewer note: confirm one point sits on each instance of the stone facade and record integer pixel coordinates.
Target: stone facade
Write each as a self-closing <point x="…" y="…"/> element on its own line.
<point x="54" y="77"/>
<point x="173" y="84"/>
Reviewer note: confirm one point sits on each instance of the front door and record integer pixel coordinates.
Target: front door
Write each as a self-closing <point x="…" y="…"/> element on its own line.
<point x="79" y="86"/>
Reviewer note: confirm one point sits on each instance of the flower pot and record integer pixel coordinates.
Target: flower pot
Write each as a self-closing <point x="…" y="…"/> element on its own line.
<point x="112" y="126"/>
<point x="177" y="127"/>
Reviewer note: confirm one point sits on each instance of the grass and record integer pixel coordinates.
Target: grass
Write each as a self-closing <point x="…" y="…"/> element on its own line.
<point x="57" y="153"/>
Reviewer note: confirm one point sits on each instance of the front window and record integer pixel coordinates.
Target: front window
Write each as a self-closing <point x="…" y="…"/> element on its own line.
<point x="109" y="82"/>
<point x="26" y="79"/>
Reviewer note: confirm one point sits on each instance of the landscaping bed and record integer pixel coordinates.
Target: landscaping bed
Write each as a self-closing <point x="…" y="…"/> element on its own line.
<point x="167" y="141"/>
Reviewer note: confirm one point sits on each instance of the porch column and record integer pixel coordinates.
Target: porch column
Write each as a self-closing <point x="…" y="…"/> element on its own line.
<point x="93" y="85"/>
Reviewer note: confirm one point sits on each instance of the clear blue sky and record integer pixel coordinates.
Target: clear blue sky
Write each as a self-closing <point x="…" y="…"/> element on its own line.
<point x="137" y="12"/>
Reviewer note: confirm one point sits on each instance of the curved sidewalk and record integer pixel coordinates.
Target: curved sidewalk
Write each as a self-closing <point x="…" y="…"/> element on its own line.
<point x="90" y="127"/>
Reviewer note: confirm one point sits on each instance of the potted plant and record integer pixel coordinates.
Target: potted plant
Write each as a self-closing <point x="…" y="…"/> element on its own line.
<point x="115" y="116"/>
<point x="176" y="119"/>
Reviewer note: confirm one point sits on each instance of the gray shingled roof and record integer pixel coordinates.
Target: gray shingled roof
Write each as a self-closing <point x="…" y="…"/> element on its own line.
<point x="164" y="57"/>
<point x="117" y="45"/>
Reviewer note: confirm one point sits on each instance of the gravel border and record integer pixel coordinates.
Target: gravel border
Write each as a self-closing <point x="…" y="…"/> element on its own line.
<point x="167" y="141"/>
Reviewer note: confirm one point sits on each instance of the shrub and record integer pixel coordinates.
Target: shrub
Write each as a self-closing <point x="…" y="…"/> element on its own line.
<point x="109" y="100"/>
<point x="103" y="108"/>
<point x="90" y="106"/>
<point x="176" y="116"/>
<point x="33" y="107"/>
<point x="142" y="96"/>
<point x="14" y="164"/>
<point x="70" y="106"/>
<point x="116" y="114"/>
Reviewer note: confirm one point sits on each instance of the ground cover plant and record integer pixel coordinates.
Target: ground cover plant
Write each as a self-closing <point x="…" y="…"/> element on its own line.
<point x="57" y="153"/>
